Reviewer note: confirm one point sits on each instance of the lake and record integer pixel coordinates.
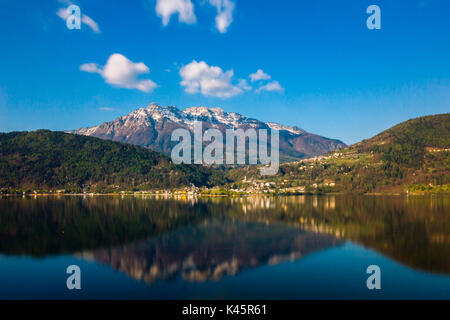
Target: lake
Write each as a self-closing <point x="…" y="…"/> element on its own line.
<point x="295" y="247"/>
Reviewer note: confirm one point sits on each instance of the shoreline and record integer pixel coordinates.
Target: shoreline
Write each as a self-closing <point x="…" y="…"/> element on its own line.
<point x="212" y="195"/>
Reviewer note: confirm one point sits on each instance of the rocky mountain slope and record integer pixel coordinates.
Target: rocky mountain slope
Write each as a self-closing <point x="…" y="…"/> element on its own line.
<point x="151" y="127"/>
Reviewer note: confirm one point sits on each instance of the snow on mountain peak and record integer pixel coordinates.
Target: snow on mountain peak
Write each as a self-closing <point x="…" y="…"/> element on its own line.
<point x="217" y="110"/>
<point x="153" y="106"/>
<point x="230" y="119"/>
<point x="279" y="127"/>
<point x="144" y="117"/>
<point x="198" y="111"/>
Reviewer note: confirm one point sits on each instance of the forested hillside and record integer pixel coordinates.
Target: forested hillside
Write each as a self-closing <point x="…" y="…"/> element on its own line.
<point x="411" y="156"/>
<point x="47" y="160"/>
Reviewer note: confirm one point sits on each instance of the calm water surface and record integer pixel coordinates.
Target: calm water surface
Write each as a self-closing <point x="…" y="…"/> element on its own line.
<point x="299" y="247"/>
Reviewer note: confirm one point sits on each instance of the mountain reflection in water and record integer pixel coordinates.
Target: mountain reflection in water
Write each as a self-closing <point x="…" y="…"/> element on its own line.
<point x="209" y="238"/>
<point x="211" y="250"/>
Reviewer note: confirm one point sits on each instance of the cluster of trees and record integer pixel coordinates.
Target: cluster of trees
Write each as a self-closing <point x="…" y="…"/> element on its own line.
<point x="429" y="188"/>
<point x="54" y="160"/>
<point x="406" y="143"/>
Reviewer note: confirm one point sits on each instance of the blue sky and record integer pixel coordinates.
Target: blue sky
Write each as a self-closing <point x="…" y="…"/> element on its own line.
<point x="329" y="74"/>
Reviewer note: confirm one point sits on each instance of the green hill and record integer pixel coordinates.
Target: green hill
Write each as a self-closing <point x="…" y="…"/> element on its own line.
<point x="48" y="160"/>
<point x="413" y="155"/>
<point x="408" y="142"/>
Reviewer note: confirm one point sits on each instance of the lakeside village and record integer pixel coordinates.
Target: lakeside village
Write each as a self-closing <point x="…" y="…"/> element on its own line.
<point x="276" y="185"/>
<point x="247" y="186"/>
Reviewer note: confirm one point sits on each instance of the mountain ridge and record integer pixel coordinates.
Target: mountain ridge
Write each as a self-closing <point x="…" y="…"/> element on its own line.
<point x="151" y="127"/>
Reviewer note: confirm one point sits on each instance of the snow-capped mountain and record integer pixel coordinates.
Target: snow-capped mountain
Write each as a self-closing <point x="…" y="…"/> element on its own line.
<point x="152" y="127"/>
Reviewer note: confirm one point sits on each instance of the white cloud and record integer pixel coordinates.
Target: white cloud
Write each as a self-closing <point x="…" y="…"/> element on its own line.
<point x="63" y="14"/>
<point x="244" y="85"/>
<point x="271" y="86"/>
<point x="184" y="8"/>
<point x="106" y="109"/>
<point x="91" y="68"/>
<point x="199" y="77"/>
<point x="259" y="75"/>
<point x="119" y="71"/>
<point x="224" y="14"/>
